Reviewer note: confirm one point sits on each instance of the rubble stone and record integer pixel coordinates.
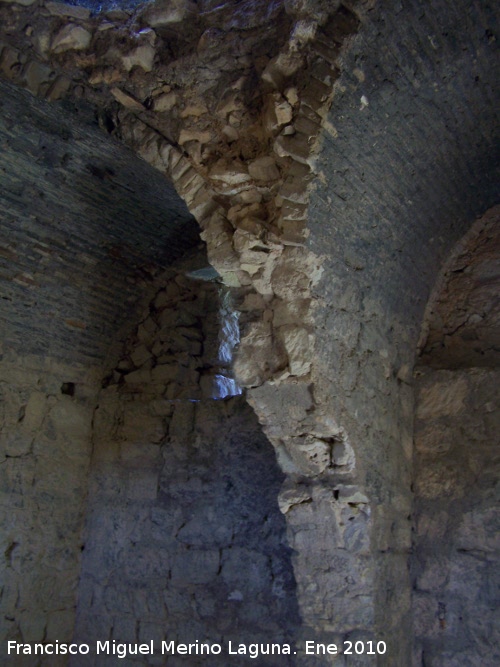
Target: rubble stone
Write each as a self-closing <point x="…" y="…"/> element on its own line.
<point x="71" y="38"/>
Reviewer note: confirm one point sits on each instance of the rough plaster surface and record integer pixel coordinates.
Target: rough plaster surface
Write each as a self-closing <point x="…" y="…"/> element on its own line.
<point x="457" y="522"/>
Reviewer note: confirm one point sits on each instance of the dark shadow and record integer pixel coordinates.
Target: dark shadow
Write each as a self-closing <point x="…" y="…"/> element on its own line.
<point x="86" y="228"/>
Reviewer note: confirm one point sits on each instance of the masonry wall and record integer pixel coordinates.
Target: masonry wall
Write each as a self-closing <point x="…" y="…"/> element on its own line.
<point x="86" y="228"/>
<point x="184" y="537"/>
<point x="404" y="169"/>
<point x="407" y="160"/>
<point x="45" y="445"/>
<point x="457" y="548"/>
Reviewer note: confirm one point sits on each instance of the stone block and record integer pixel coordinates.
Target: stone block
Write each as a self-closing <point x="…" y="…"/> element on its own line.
<point x="62" y="9"/>
<point x="71" y="38"/>
<point x="342" y="453"/>
<point x="151" y="632"/>
<point x="196" y="566"/>
<point x="229" y="173"/>
<point x="164" y="13"/>
<point x="140" y="355"/>
<point x="146" y="331"/>
<point x="142" y="376"/>
<point x="9" y="62"/>
<point x="58" y="89"/>
<point x="436" y="439"/>
<point x="294" y="274"/>
<point x="292" y="401"/>
<point x="60" y="625"/>
<point x="442" y="399"/>
<point x="297" y="147"/>
<point x="291" y="495"/>
<point x="143" y="57"/>
<point x="125" y="627"/>
<point x="258" y="355"/>
<point x="142" y="485"/>
<point x="280" y="68"/>
<point x="207" y="530"/>
<point x="182" y="422"/>
<point x="35" y="74"/>
<point x="32" y="624"/>
<point x="200" y="136"/>
<point x="298" y="345"/>
<point x="263" y="169"/>
<point x="245" y="569"/>
<point x="16" y="444"/>
<point x="434" y="576"/>
<point x="71" y="420"/>
<point x="134" y="453"/>
<point x="146" y="565"/>
<point x="311" y="454"/>
<point x="164" y="374"/>
<point x="127" y="100"/>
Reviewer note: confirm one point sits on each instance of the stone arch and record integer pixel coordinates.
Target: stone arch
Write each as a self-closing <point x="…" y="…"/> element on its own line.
<point x="246" y="176"/>
<point x="251" y="202"/>
<point x="397" y="195"/>
<point x="73" y="274"/>
<point x="456" y="547"/>
<point x="355" y="399"/>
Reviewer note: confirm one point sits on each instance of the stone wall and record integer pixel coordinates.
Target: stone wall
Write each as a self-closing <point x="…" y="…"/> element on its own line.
<point x="337" y="255"/>
<point x="460" y="327"/>
<point x="457" y="549"/>
<point x="408" y="164"/>
<point x="228" y="101"/>
<point x="184" y="537"/>
<point x="45" y="445"/>
<point x="86" y="230"/>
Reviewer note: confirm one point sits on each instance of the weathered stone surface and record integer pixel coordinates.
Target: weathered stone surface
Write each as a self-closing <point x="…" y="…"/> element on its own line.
<point x="127" y="100"/>
<point x="71" y="38"/>
<point x="35" y="75"/>
<point x="143" y="57"/>
<point x="263" y="169"/>
<point x="311" y="454"/>
<point x="294" y="275"/>
<point x="185" y="480"/>
<point x="297" y="343"/>
<point x="233" y="173"/>
<point x="442" y="400"/>
<point x="164" y="12"/>
<point x="366" y="311"/>
<point x="282" y="67"/>
<point x="279" y="405"/>
<point x="61" y="9"/>
<point x="165" y="102"/>
<point x="460" y="324"/>
<point x="258" y="357"/>
<point x="457" y="522"/>
<point x="24" y="3"/>
<point x="45" y="447"/>
<point x="293" y="495"/>
<point x="199" y="136"/>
